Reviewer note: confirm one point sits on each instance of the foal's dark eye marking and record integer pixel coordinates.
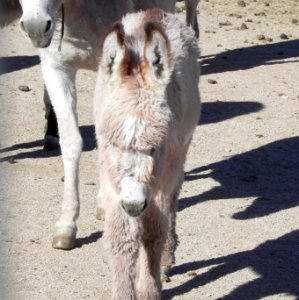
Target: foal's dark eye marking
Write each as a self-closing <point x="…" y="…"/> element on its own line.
<point x="111" y="63"/>
<point x="157" y="63"/>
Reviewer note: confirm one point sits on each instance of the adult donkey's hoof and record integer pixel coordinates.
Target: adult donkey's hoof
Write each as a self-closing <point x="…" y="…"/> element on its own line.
<point x="51" y="143"/>
<point x="64" y="242"/>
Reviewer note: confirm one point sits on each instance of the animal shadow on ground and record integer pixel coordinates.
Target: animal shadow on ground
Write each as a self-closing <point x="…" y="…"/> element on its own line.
<point x="89" y="144"/>
<point x="249" y="57"/>
<point x="276" y="263"/>
<point x="15" y="63"/>
<point x="269" y="173"/>
<point x="213" y="112"/>
<point x="92" y="238"/>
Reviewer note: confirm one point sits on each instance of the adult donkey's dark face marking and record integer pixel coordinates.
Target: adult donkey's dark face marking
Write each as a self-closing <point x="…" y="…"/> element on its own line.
<point x="38" y="20"/>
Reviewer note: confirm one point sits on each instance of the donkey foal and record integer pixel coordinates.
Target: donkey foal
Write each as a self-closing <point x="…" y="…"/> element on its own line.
<point x="146" y="107"/>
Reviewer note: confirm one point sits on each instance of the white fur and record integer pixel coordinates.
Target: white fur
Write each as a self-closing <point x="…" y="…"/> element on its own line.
<point x="133" y="192"/>
<point x="133" y="127"/>
<point x="136" y="163"/>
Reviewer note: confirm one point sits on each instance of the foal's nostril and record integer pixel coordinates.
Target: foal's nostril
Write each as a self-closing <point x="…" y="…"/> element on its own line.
<point x="48" y="26"/>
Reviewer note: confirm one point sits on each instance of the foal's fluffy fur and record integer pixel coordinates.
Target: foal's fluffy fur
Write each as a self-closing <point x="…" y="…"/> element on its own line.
<point x="147" y="106"/>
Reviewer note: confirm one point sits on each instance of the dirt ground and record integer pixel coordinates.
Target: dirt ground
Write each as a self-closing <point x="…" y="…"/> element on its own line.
<point x="238" y="221"/>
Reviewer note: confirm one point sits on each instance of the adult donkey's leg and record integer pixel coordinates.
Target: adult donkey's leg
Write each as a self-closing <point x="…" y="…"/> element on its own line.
<point x="191" y="15"/>
<point x="51" y="129"/>
<point x="60" y="83"/>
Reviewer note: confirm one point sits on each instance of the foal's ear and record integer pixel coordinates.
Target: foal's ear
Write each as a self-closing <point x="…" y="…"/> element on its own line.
<point x="157" y="53"/>
<point x="113" y="51"/>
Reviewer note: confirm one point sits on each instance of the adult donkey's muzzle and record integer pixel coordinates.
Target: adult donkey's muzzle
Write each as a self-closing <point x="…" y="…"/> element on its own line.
<point x="39" y="30"/>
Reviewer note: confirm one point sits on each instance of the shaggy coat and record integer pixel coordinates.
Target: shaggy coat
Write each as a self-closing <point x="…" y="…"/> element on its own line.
<point x="146" y="106"/>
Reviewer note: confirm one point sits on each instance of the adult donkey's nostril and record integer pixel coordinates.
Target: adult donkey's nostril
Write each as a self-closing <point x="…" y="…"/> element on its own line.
<point x="48" y="26"/>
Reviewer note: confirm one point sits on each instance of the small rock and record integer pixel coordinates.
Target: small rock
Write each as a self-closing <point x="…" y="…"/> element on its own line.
<point x="165" y="278"/>
<point x="260" y="14"/>
<point x="267" y="4"/>
<point x="35" y="241"/>
<point x="243" y="26"/>
<point x="219" y="45"/>
<point x="259" y="135"/>
<point x="295" y="21"/>
<point x="249" y="20"/>
<point x="179" y="10"/>
<point x="12" y="160"/>
<point x="212" y="81"/>
<point x="191" y="273"/>
<point x="241" y="3"/>
<point x="260" y="37"/>
<point x="283" y="36"/>
<point x="226" y="23"/>
<point x="89" y="183"/>
<point x="62" y="179"/>
<point x="24" y="88"/>
<point x="269" y="40"/>
<point x="238" y="16"/>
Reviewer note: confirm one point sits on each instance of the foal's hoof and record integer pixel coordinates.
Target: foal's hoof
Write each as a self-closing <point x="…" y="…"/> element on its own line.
<point x="64" y="242"/>
<point x="165" y="271"/>
<point x="51" y="143"/>
<point x="100" y="213"/>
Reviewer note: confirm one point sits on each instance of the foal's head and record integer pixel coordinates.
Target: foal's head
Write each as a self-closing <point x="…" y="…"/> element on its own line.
<point x="135" y="69"/>
<point x="38" y="20"/>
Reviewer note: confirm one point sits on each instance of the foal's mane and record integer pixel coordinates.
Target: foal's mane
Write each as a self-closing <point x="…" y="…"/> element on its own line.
<point x="10" y="10"/>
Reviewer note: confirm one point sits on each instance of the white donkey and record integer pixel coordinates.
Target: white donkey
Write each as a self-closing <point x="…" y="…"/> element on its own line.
<point x="146" y="106"/>
<point x="77" y="28"/>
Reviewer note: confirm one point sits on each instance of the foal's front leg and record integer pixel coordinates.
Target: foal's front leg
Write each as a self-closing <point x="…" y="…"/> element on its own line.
<point x="123" y="236"/>
<point x="155" y="228"/>
<point x="60" y="83"/>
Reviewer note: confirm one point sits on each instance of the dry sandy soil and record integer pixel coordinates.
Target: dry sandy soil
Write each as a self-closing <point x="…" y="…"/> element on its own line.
<point x="238" y="212"/>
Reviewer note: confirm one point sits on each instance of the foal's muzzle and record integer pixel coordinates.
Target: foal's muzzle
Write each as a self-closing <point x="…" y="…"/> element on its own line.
<point x="134" y="196"/>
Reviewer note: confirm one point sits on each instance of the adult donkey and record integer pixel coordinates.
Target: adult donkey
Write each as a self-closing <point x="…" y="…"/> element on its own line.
<point x="69" y="34"/>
